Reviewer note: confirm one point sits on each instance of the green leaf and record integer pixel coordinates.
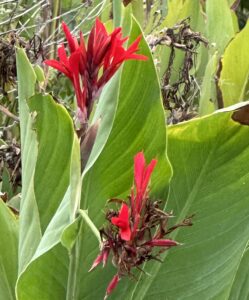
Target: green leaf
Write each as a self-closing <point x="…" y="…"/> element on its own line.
<point x="240" y="288"/>
<point x="220" y="24"/>
<point x="179" y="10"/>
<point x="208" y="89"/>
<point x="139" y="124"/>
<point x="209" y="158"/>
<point x="30" y="232"/>
<point x="8" y="252"/>
<point x="51" y="258"/>
<point x="138" y="11"/>
<point x="39" y="73"/>
<point x="46" y="277"/>
<point x="235" y="69"/>
<point x="6" y="183"/>
<point x="55" y="136"/>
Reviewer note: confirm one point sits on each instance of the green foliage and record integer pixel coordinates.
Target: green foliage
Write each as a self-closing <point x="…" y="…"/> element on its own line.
<point x="8" y="251"/>
<point x="30" y="233"/>
<point x="220" y="28"/>
<point x="235" y="69"/>
<point x="55" y="138"/>
<point x="108" y="160"/>
<point x="202" y="168"/>
<point x="240" y="288"/>
<point x="211" y="181"/>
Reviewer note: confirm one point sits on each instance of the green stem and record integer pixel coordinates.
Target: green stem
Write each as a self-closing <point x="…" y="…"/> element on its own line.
<point x="73" y="268"/>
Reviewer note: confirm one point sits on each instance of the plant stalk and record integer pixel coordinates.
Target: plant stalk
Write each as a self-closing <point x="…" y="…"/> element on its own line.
<point x="73" y="268"/>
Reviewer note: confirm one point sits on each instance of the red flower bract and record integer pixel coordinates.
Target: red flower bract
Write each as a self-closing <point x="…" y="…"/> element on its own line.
<point x="142" y="174"/>
<point x="136" y="233"/>
<point x="104" y="51"/>
<point x="122" y="221"/>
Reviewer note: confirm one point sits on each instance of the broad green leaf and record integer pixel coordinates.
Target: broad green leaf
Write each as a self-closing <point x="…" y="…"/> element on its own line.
<point x="235" y="69"/>
<point x="8" y="252"/>
<point x="51" y="258"/>
<point x="240" y="288"/>
<point x="30" y="232"/>
<point x="55" y="135"/>
<point x="207" y="102"/>
<point x="211" y="180"/>
<point x="179" y="10"/>
<point x="46" y="277"/>
<point x="220" y="24"/>
<point x="138" y="11"/>
<point x="139" y="124"/>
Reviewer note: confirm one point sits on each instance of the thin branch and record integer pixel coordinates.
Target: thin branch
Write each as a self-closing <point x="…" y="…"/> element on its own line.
<point x="24" y="13"/>
<point x="7" y="1"/>
<point x="8" y="113"/>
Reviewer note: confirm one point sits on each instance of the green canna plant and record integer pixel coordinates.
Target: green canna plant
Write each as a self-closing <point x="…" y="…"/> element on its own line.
<point x="81" y="202"/>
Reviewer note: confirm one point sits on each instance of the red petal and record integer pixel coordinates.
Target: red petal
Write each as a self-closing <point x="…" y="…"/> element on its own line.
<point x="139" y="166"/>
<point x="134" y="46"/>
<point x="125" y="234"/>
<point x="122" y="221"/>
<point x="147" y="174"/>
<point x="112" y="285"/>
<point x="62" y="54"/>
<point x="58" y="66"/>
<point x="105" y="256"/>
<point x="72" y="41"/>
<point x="124" y="213"/>
<point x="162" y="243"/>
<point x="74" y="61"/>
<point x="97" y="261"/>
<point x="135" y="56"/>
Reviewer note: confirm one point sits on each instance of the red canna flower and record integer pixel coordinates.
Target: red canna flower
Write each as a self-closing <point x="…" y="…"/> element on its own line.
<point x="142" y="227"/>
<point x="122" y="221"/>
<point x="104" y="51"/>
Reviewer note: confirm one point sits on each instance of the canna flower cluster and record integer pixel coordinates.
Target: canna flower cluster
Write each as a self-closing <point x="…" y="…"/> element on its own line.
<point x="89" y="67"/>
<point x="136" y="233"/>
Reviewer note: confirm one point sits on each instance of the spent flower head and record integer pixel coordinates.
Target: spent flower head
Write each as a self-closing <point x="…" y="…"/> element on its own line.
<point x="90" y="67"/>
<point x="136" y="233"/>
